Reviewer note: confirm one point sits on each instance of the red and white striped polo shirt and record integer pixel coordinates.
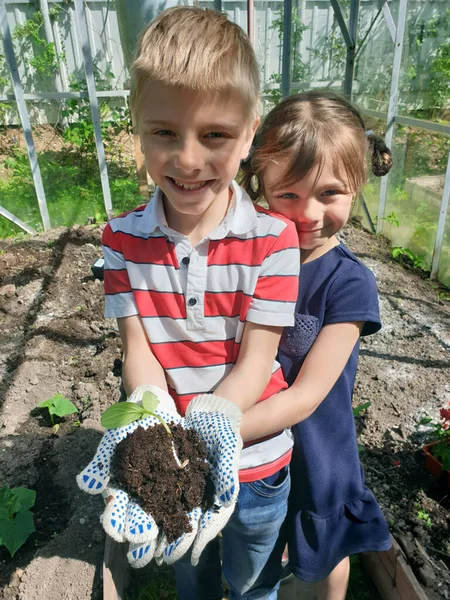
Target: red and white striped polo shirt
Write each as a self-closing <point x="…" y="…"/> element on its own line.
<point x="194" y="301"/>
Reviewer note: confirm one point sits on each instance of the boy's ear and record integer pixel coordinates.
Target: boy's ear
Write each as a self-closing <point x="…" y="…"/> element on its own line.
<point x="252" y="131"/>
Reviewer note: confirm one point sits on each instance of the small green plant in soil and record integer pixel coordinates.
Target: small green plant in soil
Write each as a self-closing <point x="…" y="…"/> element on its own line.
<point x="422" y="515"/>
<point x="124" y="413"/>
<point x="58" y="406"/>
<point x="407" y="257"/>
<point x="440" y="433"/>
<point x="147" y="466"/>
<point x="357" y="410"/>
<point x="16" y="519"/>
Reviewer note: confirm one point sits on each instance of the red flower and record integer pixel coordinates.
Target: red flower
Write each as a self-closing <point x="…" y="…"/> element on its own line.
<point x="445" y="414"/>
<point x="396" y="462"/>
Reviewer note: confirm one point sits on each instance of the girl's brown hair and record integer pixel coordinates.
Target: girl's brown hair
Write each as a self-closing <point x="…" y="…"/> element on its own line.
<point x="310" y="129"/>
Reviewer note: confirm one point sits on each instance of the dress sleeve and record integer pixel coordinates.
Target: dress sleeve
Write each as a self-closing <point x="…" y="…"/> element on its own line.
<point x="276" y="290"/>
<point x="353" y="296"/>
<point x="119" y="299"/>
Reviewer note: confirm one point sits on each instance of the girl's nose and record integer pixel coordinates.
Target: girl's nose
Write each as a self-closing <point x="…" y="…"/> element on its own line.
<point x="310" y="211"/>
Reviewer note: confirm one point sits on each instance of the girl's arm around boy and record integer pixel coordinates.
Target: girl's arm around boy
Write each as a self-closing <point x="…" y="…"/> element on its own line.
<point x="318" y="374"/>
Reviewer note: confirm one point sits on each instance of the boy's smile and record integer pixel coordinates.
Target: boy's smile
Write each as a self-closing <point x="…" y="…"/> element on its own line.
<point x="193" y="143"/>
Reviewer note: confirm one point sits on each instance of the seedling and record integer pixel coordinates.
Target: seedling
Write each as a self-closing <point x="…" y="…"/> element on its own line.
<point x="359" y="409"/>
<point x="59" y="406"/>
<point x="124" y="413"/>
<point x="16" y="520"/>
<point x="422" y="515"/>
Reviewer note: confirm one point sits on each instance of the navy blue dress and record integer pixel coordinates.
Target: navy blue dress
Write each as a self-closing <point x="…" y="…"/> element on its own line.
<point x="332" y="514"/>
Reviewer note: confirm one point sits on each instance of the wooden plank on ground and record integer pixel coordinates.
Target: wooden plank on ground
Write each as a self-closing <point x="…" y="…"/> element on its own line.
<point x="115" y="570"/>
<point x="383" y="581"/>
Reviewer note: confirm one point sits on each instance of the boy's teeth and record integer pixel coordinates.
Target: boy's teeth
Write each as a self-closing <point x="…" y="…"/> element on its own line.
<point x="189" y="186"/>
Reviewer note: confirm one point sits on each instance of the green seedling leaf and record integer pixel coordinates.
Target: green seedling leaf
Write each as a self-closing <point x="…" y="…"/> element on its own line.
<point x="358" y="409"/>
<point x="16" y="521"/>
<point x="121" y="414"/>
<point x="14" y="532"/>
<point x="26" y="497"/>
<point x="59" y="406"/>
<point x="8" y="500"/>
<point x="150" y="402"/>
<point x="425" y="420"/>
<point x="62" y="406"/>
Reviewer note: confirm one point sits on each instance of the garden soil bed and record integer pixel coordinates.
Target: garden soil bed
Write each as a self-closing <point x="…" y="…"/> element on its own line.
<point x="54" y="339"/>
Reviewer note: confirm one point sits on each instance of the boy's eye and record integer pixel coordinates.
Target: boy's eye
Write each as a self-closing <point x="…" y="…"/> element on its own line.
<point x="330" y="192"/>
<point x="163" y="132"/>
<point x="215" y="135"/>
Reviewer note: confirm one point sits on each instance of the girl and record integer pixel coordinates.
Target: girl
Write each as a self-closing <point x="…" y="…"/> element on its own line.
<point x="309" y="164"/>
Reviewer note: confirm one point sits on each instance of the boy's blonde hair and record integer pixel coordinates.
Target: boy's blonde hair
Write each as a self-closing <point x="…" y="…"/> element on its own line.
<point x="309" y="129"/>
<point x="199" y="49"/>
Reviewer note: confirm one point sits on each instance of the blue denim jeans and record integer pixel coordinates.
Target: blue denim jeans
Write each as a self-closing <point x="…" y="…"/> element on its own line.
<point x="252" y="547"/>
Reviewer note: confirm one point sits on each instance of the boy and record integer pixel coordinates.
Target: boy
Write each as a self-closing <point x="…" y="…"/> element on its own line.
<point x="200" y="282"/>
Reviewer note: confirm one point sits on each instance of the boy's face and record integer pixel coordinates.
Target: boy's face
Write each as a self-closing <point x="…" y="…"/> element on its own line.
<point x="193" y="143"/>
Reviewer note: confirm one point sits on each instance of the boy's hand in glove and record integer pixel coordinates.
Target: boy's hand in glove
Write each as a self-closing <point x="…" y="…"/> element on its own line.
<point x="123" y="518"/>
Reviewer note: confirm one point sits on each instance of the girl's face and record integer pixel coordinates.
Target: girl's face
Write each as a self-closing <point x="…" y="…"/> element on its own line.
<point x="319" y="208"/>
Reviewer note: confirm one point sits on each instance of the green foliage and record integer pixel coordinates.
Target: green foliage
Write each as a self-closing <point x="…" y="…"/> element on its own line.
<point x="72" y="185"/>
<point x="79" y="129"/>
<point x="406" y="256"/>
<point x="59" y="406"/>
<point x="42" y="54"/>
<point x="300" y="71"/>
<point x="157" y="583"/>
<point x="392" y="219"/>
<point x="16" y="520"/>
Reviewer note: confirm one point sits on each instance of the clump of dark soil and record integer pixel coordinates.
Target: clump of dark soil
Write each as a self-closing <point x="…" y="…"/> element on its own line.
<point x="144" y="465"/>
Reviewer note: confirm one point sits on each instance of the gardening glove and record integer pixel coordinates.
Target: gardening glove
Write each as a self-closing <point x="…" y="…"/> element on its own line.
<point x="123" y="518"/>
<point x="217" y="421"/>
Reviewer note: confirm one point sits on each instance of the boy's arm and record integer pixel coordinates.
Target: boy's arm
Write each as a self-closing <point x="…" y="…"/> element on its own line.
<point x="253" y="368"/>
<point x="140" y="365"/>
<point x="272" y="308"/>
<point x="318" y="374"/>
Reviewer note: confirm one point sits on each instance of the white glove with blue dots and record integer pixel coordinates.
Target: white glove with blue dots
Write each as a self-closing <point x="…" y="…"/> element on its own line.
<point x="123" y="519"/>
<point x="217" y="422"/>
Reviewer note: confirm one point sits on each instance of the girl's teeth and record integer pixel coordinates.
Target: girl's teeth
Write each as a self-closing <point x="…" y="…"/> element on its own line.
<point x="189" y="186"/>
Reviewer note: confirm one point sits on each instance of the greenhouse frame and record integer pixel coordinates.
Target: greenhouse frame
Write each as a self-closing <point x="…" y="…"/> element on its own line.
<point x="391" y="57"/>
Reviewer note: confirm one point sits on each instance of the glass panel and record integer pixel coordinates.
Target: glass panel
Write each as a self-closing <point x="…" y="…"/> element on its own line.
<point x="443" y="273"/>
<point x="373" y="69"/>
<point x="424" y="91"/>
<point x="371" y="191"/>
<point x="415" y="191"/>
<point x="318" y="49"/>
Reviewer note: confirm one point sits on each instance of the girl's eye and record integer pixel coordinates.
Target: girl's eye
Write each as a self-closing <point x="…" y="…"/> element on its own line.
<point x="288" y="196"/>
<point x="164" y="132"/>
<point x="330" y="192"/>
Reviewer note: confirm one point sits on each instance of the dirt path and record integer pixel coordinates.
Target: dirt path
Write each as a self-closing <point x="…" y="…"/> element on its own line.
<point x="54" y="339"/>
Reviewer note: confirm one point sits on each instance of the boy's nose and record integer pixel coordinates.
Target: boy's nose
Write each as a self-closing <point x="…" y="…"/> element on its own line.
<point x="189" y="157"/>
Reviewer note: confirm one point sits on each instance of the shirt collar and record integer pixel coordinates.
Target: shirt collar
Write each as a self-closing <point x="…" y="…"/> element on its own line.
<point x="240" y="218"/>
